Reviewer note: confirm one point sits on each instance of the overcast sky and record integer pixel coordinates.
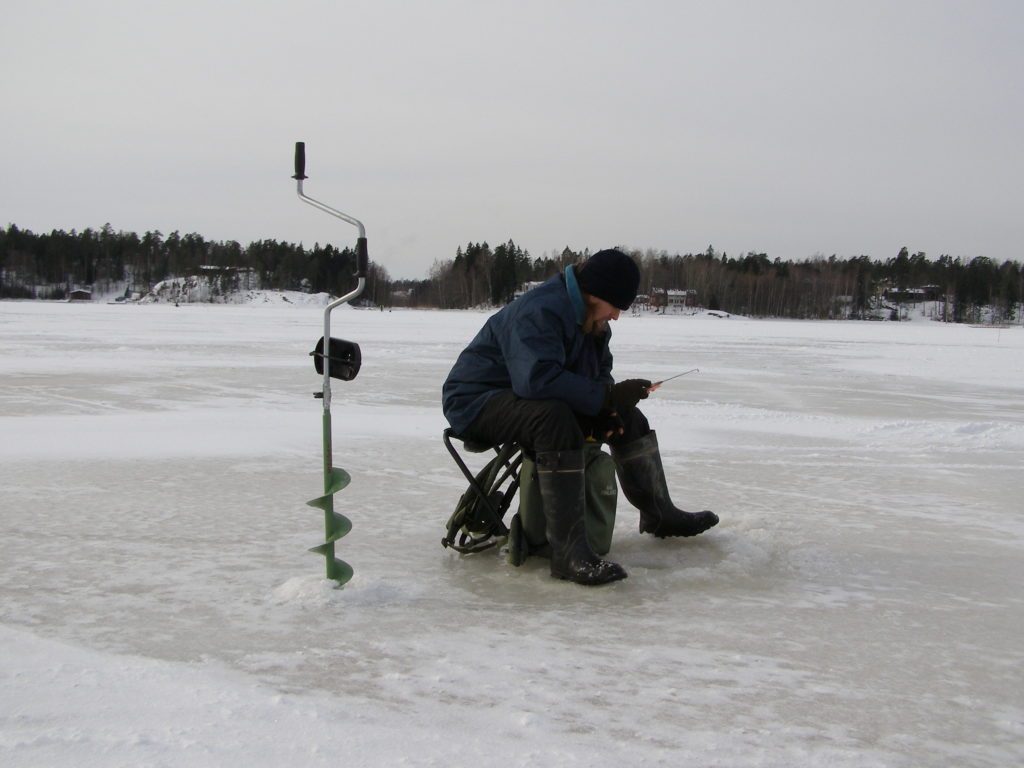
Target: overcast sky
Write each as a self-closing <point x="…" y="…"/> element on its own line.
<point x="789" y="127"/>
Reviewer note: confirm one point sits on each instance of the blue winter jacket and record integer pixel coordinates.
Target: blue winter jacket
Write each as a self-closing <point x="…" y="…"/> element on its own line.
<point x="536" y="347"/>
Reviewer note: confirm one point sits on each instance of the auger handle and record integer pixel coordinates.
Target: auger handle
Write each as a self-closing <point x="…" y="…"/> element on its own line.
<point x="362" y="258"/>
<point x="300" y="161"/>
<point x="362" y="254"/>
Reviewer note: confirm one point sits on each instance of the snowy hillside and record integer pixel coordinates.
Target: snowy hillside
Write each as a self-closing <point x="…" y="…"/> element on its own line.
<point x="195" y="290"/>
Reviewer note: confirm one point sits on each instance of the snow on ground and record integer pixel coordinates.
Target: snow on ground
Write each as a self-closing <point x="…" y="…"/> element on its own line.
<point x="859" y="604"/>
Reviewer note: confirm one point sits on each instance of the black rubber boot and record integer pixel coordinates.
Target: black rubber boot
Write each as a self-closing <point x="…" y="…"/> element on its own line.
<point x="560" y="476"/>
<point x="642" y="479"/>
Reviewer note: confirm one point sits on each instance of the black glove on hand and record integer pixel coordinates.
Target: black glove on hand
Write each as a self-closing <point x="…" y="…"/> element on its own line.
<point x="626" y="394"/>
<point x="605" y="424"/>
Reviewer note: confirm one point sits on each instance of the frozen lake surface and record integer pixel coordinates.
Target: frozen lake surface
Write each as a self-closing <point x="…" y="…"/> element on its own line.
<point x="860" y="603"/>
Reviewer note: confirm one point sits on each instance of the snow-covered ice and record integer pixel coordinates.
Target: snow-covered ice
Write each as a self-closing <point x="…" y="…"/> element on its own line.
<point x="859" y="605"/>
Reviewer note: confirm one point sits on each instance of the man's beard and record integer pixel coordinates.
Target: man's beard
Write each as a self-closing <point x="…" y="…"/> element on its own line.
<point x="594" y="327"/>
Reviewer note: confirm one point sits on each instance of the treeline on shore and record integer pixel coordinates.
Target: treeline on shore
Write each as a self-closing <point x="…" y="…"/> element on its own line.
<point x="50" y="265"/>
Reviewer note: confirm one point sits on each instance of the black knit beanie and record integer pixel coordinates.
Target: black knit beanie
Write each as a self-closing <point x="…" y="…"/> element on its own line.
<point x="610" y="275"/>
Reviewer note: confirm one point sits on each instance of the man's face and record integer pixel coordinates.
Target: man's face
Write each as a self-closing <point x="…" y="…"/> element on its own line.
<point x="599" y="312"/>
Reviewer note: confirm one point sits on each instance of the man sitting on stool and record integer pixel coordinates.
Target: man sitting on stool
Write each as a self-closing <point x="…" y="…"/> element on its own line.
<point x="540" y="373"/>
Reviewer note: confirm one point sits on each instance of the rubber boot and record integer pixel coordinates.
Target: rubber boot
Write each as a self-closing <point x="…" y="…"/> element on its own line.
<point x="560" y="476"/>
<point x="642" y="479"/>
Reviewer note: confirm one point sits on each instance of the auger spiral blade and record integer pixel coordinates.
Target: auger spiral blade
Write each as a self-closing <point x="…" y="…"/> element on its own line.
<point x="336" y="525"/>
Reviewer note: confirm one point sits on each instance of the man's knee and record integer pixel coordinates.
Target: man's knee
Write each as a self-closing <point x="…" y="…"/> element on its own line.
<point x="553" y="426"/>
<point x="537" y="425"/>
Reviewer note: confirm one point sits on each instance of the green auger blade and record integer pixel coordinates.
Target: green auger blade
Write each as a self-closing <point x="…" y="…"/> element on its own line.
<point x="336" y="525"/>
<point x="339" y="480"/>
<point x="338" y="570"/>
<point x="340" y="526"/>
<point x="326" y="503"/>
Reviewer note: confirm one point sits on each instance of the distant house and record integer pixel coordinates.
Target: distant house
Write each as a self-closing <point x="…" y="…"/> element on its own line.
<point x="672" y="298"/>
<point x="80" y="294"/>
<point x="914" y="295"/>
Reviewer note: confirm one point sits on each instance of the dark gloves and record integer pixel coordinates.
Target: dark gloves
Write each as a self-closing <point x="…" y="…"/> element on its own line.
<point x="604" y="425"/>
<point x="626" y="394"/>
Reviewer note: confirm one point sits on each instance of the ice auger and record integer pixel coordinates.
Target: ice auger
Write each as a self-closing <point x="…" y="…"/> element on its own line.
<point x="339" y="359"/>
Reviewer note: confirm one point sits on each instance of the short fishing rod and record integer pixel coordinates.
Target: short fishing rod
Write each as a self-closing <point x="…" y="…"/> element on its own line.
<point x="657" y="384"/>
